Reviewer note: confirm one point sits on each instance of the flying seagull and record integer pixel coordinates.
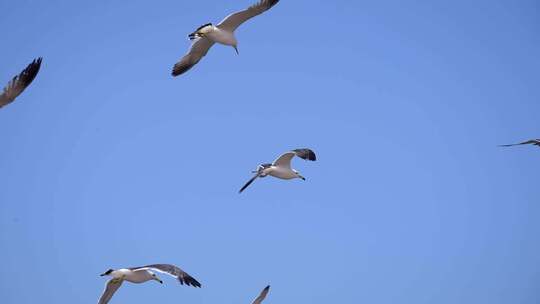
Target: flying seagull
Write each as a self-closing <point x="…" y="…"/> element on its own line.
<point x="535" y="142"/>
<point x="17" y="85"/>
<point x="140" y="275"/>
<point x="262" y="295"/>
<point x="206" y="35"/>
<point x="281" y="167"/>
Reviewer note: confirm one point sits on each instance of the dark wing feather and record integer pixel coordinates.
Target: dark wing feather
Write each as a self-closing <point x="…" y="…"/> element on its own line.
<point x="306" y="154"/>
<point x="535" y="142"/>
<point x="249" y="182"/>
<point x="20" y="82"/>
<point x="182" y="276"/>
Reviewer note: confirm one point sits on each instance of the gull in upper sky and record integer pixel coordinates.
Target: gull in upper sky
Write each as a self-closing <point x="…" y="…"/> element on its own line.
<point x="535" y="142"/>
<point x="205" y="36"/>
<point x="140" y="275"/>
<point x="262" y="295"/>
<point x="17" y="85"/>
<point x="281" y="167"/>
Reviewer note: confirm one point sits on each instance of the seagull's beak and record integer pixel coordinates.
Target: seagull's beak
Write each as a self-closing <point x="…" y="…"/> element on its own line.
<point x="236" y="49"/>
<point x="303" y="178"/>
<point x="157" y="279"/>
<point x="102" y="275"/>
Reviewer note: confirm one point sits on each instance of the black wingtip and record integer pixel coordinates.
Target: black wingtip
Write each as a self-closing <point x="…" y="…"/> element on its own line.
<point x="37" y="61"/>
<point x="179" y="69"/>
<point x="306" y="154"/>
<point x="312" y="156"/>
<point x="189" y="281"/>
<point x="273" y="2"/>
<point x="30" y="72"/>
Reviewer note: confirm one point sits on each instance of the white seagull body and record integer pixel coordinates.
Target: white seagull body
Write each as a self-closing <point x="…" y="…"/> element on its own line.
<point x="140" y="275"/>
<point x="134" y="276"/>
<point x="262" y="295"/>
<point x="20" y="82"/>
<point x="281" y="167"/>
<point x="205" y="36"/>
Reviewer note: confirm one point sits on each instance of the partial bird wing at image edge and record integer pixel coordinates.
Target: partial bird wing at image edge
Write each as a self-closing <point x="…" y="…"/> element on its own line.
<point x="111" y="287"/>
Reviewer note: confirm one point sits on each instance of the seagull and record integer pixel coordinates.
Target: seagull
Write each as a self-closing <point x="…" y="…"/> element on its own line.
<point x="535" y="142"/>
<point x="281" y="167"/>
<point x="17" y="85"/>
<point x="262" y="295"/>
<point x="206" y="35"/>
<point x="140" y="275"/>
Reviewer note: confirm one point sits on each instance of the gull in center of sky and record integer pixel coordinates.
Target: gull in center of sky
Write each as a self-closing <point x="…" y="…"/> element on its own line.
<point x="205" y="36"/>
<point x="140" y="275"/>
<point x="535" y="142"/>
<point x="20" y="82"/>
<point x="281" y="167"/>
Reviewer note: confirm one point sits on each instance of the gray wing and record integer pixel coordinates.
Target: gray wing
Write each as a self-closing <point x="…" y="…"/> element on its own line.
<point x="233" y="21"/>
<point x="182" y="276"/>
<point x="17" y="85"/>
<point x="110" y="289"/>
<point x="249" y="182"/>
<point x="528" y="142"/>
<point x="284" y="160"/>
<point x="262" y="295"/>
<point x="198" y="50"/>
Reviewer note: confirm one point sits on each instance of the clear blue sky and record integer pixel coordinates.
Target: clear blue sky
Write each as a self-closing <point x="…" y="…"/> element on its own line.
<point x="108" y="161"/>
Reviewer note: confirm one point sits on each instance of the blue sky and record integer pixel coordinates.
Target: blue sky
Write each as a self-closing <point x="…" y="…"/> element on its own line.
<point x="108" y="161"/>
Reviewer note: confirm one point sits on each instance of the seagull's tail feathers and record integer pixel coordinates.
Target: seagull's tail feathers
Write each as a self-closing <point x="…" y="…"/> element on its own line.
<point x="197" y="33"/>
<point x="193" y="36"/>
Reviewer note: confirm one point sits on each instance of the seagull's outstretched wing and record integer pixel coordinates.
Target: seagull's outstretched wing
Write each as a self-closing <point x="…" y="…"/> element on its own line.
<point x="249" y="182"/>
<point x="110" y="289"/>
<point x="182" y="276"/>
<point x="17" y="85"/>
<point x="535" y="142"/>
<point x="262" y="295"/>
<point x="284" y="160"/>
<point x="233" y="21"/>
<point x="198" y="50"/>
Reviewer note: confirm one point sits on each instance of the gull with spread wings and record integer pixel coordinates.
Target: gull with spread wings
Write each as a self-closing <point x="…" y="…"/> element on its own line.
<point x="205" y="36"/>
<point x="281" y="167"/>
<point x="142" y="274"/>
<point x="17" y="85"/>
